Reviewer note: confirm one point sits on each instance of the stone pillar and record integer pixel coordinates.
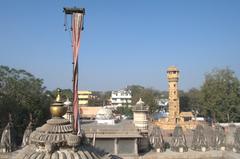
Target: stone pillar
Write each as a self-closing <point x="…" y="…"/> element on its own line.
<point x="135" y="146"/>
<point x="115" y="146"/>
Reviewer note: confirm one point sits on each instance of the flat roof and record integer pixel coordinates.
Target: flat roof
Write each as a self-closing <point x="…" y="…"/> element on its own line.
<point x="122" y="129"/>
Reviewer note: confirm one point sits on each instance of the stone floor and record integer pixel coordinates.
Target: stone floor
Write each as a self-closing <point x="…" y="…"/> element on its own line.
<point x="7" y="156"/>
<point x="191" y="155"/>
<point x="170" y="155"/>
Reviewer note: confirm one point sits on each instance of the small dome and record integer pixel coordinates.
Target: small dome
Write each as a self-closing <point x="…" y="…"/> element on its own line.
<point x="140" y="106"/>
<point x="104" y="113"/>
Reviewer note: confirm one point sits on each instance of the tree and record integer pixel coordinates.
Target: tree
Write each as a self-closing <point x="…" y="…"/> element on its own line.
<point x="194" y="101"/>
<point x="20" y="94"/>
<point x="148" y="95"/>
<point x="127" y="111"/>
<point x="99" y="98"/>
<point x="96" y="99"/>
<point x="184" y="101"/>
<point x="221" y="95"/>
<point x="190" y="100"/>
<point x="65" y="93"/>
<point x="137" y="92"/>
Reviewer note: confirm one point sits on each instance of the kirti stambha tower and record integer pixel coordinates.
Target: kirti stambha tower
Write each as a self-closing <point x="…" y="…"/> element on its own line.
<point x="173" y="103"/>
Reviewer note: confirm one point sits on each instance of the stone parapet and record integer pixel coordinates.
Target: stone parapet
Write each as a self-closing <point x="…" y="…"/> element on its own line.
<point x="167" y="125"/>
<point x="192" y="155"/>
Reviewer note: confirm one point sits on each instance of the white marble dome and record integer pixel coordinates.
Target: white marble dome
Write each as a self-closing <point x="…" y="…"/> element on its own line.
<point x="104" y="114"/>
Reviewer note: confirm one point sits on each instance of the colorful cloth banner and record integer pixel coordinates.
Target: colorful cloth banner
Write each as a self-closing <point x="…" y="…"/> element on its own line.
<point x="77" y="21"/>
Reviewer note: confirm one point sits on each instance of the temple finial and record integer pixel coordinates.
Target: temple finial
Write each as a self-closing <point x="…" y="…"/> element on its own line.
<point x="58" y="98"/>
<point x="58" y="109"/>
<point x="140" y="101"/>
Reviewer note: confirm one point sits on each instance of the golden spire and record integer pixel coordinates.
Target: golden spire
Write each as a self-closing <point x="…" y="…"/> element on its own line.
<point x="58" y="98"/>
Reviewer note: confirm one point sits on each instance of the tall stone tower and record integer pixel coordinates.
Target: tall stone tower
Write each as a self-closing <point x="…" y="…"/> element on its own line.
<point x="173" y="76"/>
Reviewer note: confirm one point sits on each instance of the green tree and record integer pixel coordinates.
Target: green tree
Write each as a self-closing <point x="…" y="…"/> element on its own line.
<point x="97" y="99"/>
<point x="65" y="93"/>
<point x="127" y="111"/>
<point x="20" y="94"/>
<point x="190" y="100"/>
<point x="106" y="97"/>
<point x="137" y="92"/>
<point x="194" y="101"/>
<point x="220" y="95"/>
<point x="148" y="95"/>
<point x="184" y="101"/>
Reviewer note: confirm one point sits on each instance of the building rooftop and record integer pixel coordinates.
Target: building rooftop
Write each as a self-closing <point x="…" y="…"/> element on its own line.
<point x="122" y="129"/>
<point x="186" y="114"/>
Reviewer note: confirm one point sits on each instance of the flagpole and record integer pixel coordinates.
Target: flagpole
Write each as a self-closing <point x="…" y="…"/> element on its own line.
<point x="77" y="15"/>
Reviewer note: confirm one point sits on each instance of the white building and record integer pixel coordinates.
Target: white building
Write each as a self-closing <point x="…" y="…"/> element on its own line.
<point x="121" y="98"/>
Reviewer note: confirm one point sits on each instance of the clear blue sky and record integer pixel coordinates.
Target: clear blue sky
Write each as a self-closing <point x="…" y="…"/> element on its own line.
<point x="124" y="42"/>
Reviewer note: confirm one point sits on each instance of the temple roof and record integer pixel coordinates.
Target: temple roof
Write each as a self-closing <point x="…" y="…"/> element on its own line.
<point x="29" y="152"/>
<point x="55" y="130"/>
<point x="56" y="140"/>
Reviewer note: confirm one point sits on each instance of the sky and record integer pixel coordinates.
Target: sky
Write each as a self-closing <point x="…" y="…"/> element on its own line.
<point x="123" y="42"/>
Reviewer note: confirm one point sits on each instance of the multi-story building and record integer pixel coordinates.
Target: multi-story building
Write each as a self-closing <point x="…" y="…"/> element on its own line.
<point x="83" y="97"/>
<point x="121" y="98"/>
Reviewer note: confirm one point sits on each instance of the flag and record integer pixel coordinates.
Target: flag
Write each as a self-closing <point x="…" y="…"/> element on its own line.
<point x="77" y="21"/>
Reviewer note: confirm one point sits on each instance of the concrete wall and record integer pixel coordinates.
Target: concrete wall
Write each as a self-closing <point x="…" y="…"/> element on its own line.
<point x="116" y="146"/>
